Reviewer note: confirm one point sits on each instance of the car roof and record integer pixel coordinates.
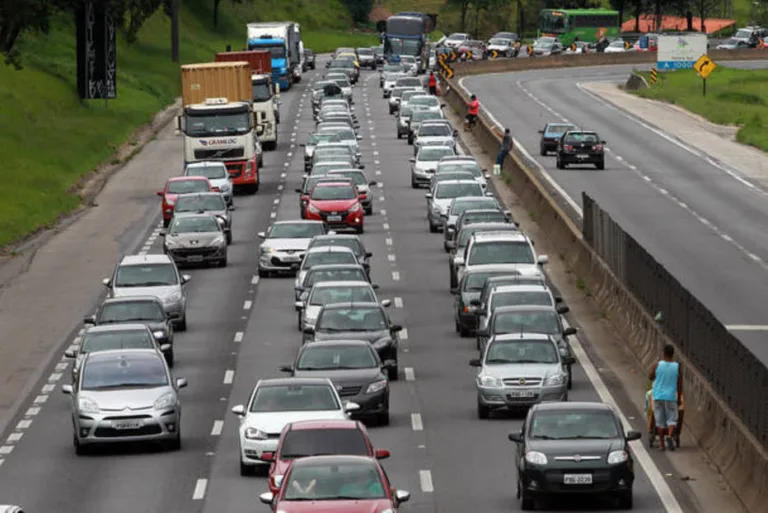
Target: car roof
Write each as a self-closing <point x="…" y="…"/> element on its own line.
<point x="336" y="343"/>
<point x="329" y="267"/>
<point x="458" y="182"/>
<point x="115" y="327"/>
<point x="303" y="425"/>
<point x="332" y="460"/>
<point x="187" y="215"/>
<point x="337" y="236"/>
<point x="114" y="354"/>
<point x="560" y="124"/>
<point x="523" y="336"/>
<point x="131" y="299"/>
<point x="457" y="158"/>
<point x="186" y="178"/>
<point x="494" y="225"/>
<point x="351" y="304"/>
<point x="482" y="211"/>
<point x="200" y="194"/>
<point x="298" y="221"/>
<point x="500" y="235"/>
<point x="523" y="287"/>
<point x="517" y="277"/>
<point x="281" y="382"/>
<point x="487" y="199"/>
<point x="343" y="283"/>
<point x="523" y="308"/>
<point x="330" y="249"/>
<point x="488" y="268"/>
<point x="145" y="259"/>
<point x="205" y="163"/>
<point x="333" y="184"/>
<point x="573" y="405"/>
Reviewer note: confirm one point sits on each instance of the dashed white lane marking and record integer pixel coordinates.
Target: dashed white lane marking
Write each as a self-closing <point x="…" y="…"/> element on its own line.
<point x="383" y="212"/>
<point x="40" y="399"/>
<point x="255" y="280"/>
<point x="746" y="327"/>
<point x="24" y="424"/>
<point x="282" y="175"/>
<point x="218" y="427"/>
<point x="398" y="302"/>
<point x="280" y="187"/>
<point x="6" y="449"/>
<point x="277" y="201"/>
<point x="381" y="198"/>
<point x="48" y="388"/>
<point x="404" y="334"/>
<point x="200" y="487"/>
<point x="416" y="422"/>
<point x="377" y="162"/>
<point x="229" y="376"/>
<point x="425" y="478"/>
<point x="31" y="412"/>
<point x="391" y="257"/>
<point x="396" y="275"/>
<point x="239" y="336"/>
<point x="55" y="376"/>
<point x="247" y="305"/>
<point x="388" y="241"/>
<point x="385" y="226"/>
<point x="61" y="366"/>
<point x="273" y="215"/>
<point x="410" y="375"/>
<point x="378" y="173"/>
<point x="14" y="437"/>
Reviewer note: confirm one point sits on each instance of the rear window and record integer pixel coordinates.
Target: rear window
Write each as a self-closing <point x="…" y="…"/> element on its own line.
<point x="581" y="138"/>
<point x="310" y="442"/>
<point x="501" y="252"/>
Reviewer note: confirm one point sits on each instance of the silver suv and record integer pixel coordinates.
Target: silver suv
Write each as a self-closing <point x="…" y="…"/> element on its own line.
<point x="152" y="275"/>
<point x="519" y="370"/>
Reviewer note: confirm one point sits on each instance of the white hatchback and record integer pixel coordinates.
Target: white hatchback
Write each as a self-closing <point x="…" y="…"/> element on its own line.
<point x="216" y="173"/>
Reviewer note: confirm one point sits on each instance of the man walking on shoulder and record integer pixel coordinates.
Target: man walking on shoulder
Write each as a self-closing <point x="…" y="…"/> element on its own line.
<point x="667" y="393"/>
<point x="432" y="84"/>
<point x="506" y="147"/>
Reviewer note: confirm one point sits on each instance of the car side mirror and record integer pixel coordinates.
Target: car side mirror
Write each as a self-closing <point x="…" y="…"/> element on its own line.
<point x="489" y="194"/>
<point x="569" y="360"/>
<point x="402" y="496"/>
<point x="361" y="166"/>
<point x="231" y="208"/>
<point x="368" y="254"/>
<point x="570" y="330"/>
<point x="350" y="407"/>
<point x="181" y="383"/>
<point x="238" y="410"/>
<point x="540" y="131"/>
<point x="70" y="353"/>
<point x="487" y="176"/>
<point x="386" y="303"/>
<point x="373" y="183"/>
<point x="286" y="368"/>
<point x="475" y="362"/>
<point x="268" y="497"/>
<point x="185" y="278"/>
<point x="515" y="437"/>
<point x="106" y="282"/>
<point x="428" y="195"/>
<point x="267" y="457"/>
<point x="66" y="389"/>
<point x="412" y="160"/>
<point x="309" y="330"/>
<point x="359" y="137"/>
<point x="475" y="302"/>
<point x="542" y="259"/>
<point x="396" y="328"/>
<point x="162" y="233"/>
<point x="91" y="319"/>
<point x="603" y="142"/>
<point x="381" y="454"/>
<point x="631" y="436"/>
<point x="299" y="305"/>
<point x="442" y="105"/>
<point x="165" y="347"/>
<point x="562" y="309"/>
<point x="302" y="145"/>
<point x="161" y="193"/>
<point x="558" y="299"/>
<point x="263" y="235"/>
<point x="298" y="191"/>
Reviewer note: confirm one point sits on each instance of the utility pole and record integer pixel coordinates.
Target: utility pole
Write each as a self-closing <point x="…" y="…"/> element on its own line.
<point x="175" y="30"/>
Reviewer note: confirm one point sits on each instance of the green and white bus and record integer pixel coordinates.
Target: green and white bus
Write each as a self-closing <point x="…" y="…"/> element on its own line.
<point x="589" y="25"/>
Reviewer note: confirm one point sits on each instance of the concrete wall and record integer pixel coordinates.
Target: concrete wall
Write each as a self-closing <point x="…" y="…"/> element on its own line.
<point x="742" y="461"/>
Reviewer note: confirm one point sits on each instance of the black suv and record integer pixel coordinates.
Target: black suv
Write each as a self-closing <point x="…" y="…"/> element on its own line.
<point x="580" y="147"/>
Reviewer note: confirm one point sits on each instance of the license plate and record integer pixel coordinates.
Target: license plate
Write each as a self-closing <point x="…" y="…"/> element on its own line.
<point x="582" y="156"/>
<point x="577" y="479"/>
<point x="522" y="393"/>
<point x="291" y="258"/>
<point x="195" y="258"/>
<point x="127" y="424"/>
<point x="334" y="219"/>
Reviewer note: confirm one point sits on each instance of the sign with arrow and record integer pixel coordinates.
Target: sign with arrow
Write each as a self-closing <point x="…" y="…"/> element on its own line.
<point x="704" y="66"/>
<point x="494" y="54"/>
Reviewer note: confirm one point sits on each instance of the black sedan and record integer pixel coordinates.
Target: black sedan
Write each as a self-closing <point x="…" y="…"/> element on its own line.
<point x="354" y="368"/>
<point x="572" y="448"/>
<point x="580" y="147"/>
<point x="551" y="135"/>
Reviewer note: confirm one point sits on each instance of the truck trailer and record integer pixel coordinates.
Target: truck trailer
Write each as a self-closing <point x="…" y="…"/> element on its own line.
<point x="264" y="93"/>
<point x="217" y="120"/>
<point x="280" y="39"/>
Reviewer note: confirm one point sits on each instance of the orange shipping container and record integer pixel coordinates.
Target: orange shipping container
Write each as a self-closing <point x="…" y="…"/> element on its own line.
<point x="261" y="61"/>
<point x="230" y="80"/>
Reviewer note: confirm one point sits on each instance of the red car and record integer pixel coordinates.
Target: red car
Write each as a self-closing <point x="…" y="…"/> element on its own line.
<point x="311" y="437"/>
<point x="180" y="185"/>
<point x="338" y="484"/>
<point x="336" y="203"/>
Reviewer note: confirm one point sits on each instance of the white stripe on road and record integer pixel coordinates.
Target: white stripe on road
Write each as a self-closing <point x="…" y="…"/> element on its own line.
<point x="746" y="327"/>
<point x="398" y="302"/>
<point x="200" y="487"/>
<point x="229" y="376"/>
<point x="24" y="424"/>
<point x="416" y="422"/>
<point x="218" y="427"/>
<point x="14" y="437"/>
<point x="395" y="275"/>
<point x="409" y="374"/>
<point x="255" y="280"/>
<point x="247" y="305"/>
<point x="239" y="336"/>
<point x="425" y="477"/>
<point x="404" y="334"/>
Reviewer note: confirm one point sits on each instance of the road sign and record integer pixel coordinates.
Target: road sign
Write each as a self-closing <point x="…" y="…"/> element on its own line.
<point x="530" y="50"/>
<point x="468" y="55"/>
<point x="760" y="44"/>
<point x="453" y="56"/>
<point x="627" y="45"/>
<point x="680" y="52"/>
<point x="494" y="54"/>
<point x="654" y="75"/>
<point x="704" y="66"/>
<point x="446" y="70"/>
<point x="573" y="47"/>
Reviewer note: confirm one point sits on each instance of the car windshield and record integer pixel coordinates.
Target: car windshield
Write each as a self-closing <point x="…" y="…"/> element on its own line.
<point x="456" y="190"/>
<point x="357" y="176"/>
<point x="434" y="153"/>
<point x="339" y="357"/>
<point x="342" y="64"/>
<point x="559" y="129"/>
<point x="322" y="168"/>
<point x="545" y="46"/>
<point x="423" y="115"/>
<point x="146" y="275"/>
<point x="408" y="59"/>
<point x="322" y="296"/>
<point x="501" y="252"/>
<point x="410" y="82"/>
<point x="574" y="425"/>
<point x="345" y="134"/>
<point x="318" y="276"/>
<point x="320" y="86"/>
<point x="212" y="172"/>
<point x="352" y="319"/>
<point x="393" y="68"/>
<point x="398" y="92"/>
<point x="446" y="177"/>
<point x="462" y="204"/>
<point x="532" y="321"/>
<point x="337" y="481"/>
<point x="500" y="42"/>
<point x="295" y="230"/>
<point x="202" y="224"/>
<point x="294" y="397"/>
<point x="436" y="130"/>
<point x="577" y="138"/>
<point x="314" y="139"/>
<point x="261" y="91"/>
<point x="521" y="351"/>
<point x="427" y="101"/>
<point x="342" y="82"/>
<point x="333" y="192"/>
<point x="516" y="298"/>
<point x="299" y="443"/>
<point x="474" y="282"/>
<point x="466" y="166"/>
<point x="484" y="217"/>
<point x="205" y="203"/>
<point x="332" y="156"/>
<point x="187" y="186"/>
<point x="122" y="339"/>
<point x="127" y="311"/>
<point x="328" y="258"/>
<point x="410" y="93"/>
<point x="364" y="51"/>
<point x="125" y="371"/>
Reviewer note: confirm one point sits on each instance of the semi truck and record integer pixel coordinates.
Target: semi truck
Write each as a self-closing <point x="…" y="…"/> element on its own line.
<point x="265" y="94"/>
<point x="280" y="39"/>
<point x="217" y="119"/>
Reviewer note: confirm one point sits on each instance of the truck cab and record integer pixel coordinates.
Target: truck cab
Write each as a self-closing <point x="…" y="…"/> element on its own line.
<point x="265" y="110"/>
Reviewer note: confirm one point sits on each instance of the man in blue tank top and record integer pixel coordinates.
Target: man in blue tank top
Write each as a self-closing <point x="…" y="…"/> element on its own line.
<point x="667" y="393"/>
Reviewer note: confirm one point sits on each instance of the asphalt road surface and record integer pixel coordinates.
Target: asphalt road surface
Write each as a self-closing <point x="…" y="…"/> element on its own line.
<point x="692" y="214"/>
<point x="242" y="328"/>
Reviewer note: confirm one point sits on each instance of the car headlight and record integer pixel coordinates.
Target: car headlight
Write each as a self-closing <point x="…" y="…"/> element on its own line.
<point x="617" y="457"/>
<point x="485" y="380"/>
<point x="265" y="250"/>
<point x="535" y="457"/>
<point x="382" y="342"/>
<point x="255" y="434"/>
<point x="171" y="242"/>
<point x="390" y="510"/>
<point x="86" y="405"/>
<point x="376" y="387"/>
<point x="557" y="379"/>
<point x="354" y="208"/>
<point x="176" y="296"/>
<point x="313" y="209"/>
<point x="218" y="241"/>
<point x="158" y="334"/>
<point x="165" y="401"/>
<point x="403" y="122"/>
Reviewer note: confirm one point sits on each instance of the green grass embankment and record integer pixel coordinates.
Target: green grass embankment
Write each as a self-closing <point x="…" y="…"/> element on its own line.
<point x="49" y="140"/>
<point x="734" y="97"/>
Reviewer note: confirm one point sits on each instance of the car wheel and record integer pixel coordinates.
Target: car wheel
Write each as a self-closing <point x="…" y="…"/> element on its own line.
<point x="483" y="412"/>
<point x="169" y="358"/>
<point x="463" y="332"/>
<point x="410" y="140"/>
<point x="360" y="229"/>
<point x="245" y="470"/>
<point x="542" y="151"/>
<point x="369" y="211"/>
<point x="526" y="501"/>
<point x="399" y="136"/>
<point x="600" y="165"/>
<point x="432" y="228"/>
<point x="456" y="325"/>
<point x="570" y="378"/>
<point x="80" y="449"/>
<point x="223" y="262"/>
<point x="229" y="237"/>
<point x="414" y="185"/>
<point x="393" y="373"/>
<point x="560" y="164"/>
<point x="382" y="419"/>
<point x="263" y="273"/>
<point x="298" y="322"/>
<point x="182" y="326"/>
<point x="625" y="500"/>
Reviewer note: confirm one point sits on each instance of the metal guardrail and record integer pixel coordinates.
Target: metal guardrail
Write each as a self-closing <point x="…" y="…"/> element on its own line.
<point x="734" y="372"/>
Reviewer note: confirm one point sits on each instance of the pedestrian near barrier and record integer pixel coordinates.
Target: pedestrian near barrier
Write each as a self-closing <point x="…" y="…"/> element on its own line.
<point x="432" y="83"/>
<point x="667" y="395"/>
<point x="506" y="147"/>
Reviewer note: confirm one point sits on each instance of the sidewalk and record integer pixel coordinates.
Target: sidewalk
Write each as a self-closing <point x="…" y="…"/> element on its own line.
<point x="715" y="141"/>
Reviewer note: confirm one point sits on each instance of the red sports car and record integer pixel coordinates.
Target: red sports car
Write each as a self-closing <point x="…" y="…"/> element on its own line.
<point x="336" y="203"/>
<point x="177" y="186"/>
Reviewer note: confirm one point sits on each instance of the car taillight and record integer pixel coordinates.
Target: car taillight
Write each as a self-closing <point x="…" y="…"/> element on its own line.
<point x="598" y="147"/>
<point x="567" y="147"/>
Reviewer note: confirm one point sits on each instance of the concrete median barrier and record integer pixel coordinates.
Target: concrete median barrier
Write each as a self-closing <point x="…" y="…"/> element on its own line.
<point x="739" y="456"/>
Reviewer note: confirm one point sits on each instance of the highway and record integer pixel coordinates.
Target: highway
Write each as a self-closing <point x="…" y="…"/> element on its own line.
<point x="242" y="328"/>
<point x="693" y="215"/>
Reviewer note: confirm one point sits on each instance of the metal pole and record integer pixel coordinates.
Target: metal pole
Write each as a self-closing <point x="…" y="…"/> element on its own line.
<point x="175" y="30"/>
<point x="704" y="82"/>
